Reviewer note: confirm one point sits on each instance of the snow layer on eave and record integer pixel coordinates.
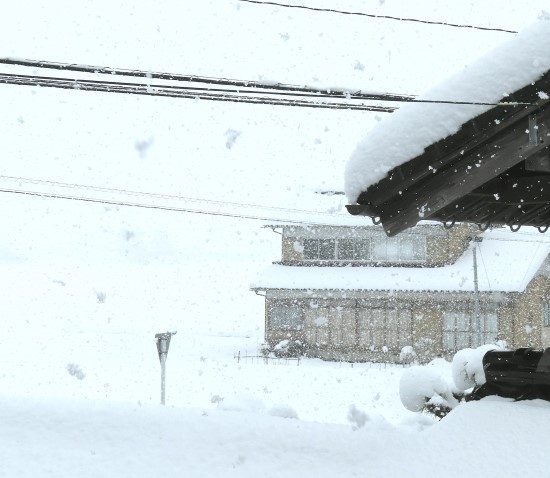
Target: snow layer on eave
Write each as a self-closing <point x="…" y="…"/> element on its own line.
<point x="406" y="133"/>
<point x="505" y="264"/>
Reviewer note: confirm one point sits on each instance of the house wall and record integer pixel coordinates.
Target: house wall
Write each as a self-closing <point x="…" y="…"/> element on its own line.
<point x="427" y="332"/>
<point x="446" y="250"/>
<point x="442" y="246"/>
<point x="334" y="328"/>
<point x="333" y="322"/>
<point x="293" y="248"/>
<point x="528" y="329"/>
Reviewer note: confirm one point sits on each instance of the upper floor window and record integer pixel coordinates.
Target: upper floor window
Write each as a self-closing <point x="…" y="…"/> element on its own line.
<point x="409" y="248"/>
<point x="322" y="249"/>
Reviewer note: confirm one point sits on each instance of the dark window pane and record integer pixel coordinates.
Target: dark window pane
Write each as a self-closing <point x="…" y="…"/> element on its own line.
<point x="327" y="249"/>
<point x="281" y="317"/>
<point x="362" y="249"/>
<point x="311" y="249"/>
<point x="345" y="250"/>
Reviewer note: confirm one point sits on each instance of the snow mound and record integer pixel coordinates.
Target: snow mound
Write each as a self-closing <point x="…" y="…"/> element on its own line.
<point x="467" y="366"/>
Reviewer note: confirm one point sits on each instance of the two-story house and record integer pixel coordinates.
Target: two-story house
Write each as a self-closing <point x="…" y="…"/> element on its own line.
<point x="355" y="294"/>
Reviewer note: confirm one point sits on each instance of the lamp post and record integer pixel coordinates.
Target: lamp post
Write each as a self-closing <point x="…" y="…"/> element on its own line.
<point x="163" y="344"/>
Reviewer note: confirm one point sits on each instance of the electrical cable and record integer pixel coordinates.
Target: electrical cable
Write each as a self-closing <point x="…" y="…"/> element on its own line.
<point x="241" y="87"/>
<point x="249" y="84"/>
<point x="176" y="92"/>
<point x="484" y="267"/>
<point x="204" y="212"/>
<point x="127" y="192"/>
<point x="157" y="207"/>
<point x="384" y="17"/>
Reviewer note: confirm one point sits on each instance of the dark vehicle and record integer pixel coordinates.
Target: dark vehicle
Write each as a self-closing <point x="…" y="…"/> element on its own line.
<point x="522" y="374"/>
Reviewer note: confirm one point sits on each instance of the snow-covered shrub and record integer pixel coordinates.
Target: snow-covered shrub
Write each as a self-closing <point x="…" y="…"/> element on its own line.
<point x="407" y="355"/>
<point x="424" y="389"/>
<point x="467" y="366"/>
<point x="289" y="348"/>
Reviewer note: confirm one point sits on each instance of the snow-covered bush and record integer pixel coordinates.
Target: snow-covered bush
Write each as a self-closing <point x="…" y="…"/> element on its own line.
<point x="467" y="366"/>
<point x="425" y="389"/>
<point x="431" y="388"/>
<point x="407" y="355"/>
<point x="289" y="348"/>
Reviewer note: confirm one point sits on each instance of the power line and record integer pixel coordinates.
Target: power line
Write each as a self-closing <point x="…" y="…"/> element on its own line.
<point x="157" y="196"/>
<point x="214" y="94"/>
<point x="157" y="207"/>
<point x="248" y="84"/>
<point x="199" y="211"/>
<point x="384" y="17"/>
<point x="176" y="92"/>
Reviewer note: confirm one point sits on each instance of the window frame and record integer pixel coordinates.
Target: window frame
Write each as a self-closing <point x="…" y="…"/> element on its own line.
<point x="450" y="334"/>
<point x="279" y="324"/>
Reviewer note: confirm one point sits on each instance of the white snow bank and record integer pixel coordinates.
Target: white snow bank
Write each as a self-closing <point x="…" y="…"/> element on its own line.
<point x="90" y="439"/>
<point x="407" y="132"/>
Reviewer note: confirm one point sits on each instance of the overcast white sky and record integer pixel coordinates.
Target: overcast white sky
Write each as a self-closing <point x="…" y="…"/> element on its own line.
<point x="280" y="154"/>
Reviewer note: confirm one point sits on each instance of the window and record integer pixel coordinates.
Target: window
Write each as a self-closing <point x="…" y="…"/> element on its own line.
<point x="330" y="326"/>
<point x="337" y="249"/>
<point x="354" y="249"/>
<point x="390" y="249"/>
<point x="322" y="249"/>
<point x="459" y="330"/>
<point x="546" y="315"/>
<point x="389" y="328"/>
<point x="317" y="326"/>
<point x="285" y="317"/>
<point x="393" y="249"/>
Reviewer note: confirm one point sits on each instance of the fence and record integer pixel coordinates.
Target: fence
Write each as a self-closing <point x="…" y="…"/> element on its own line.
<point x="265" y="359"/>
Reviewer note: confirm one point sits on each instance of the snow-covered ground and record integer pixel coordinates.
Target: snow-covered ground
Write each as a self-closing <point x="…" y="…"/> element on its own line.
<point x="68" y="438"/>
<point x="86" y="285"/>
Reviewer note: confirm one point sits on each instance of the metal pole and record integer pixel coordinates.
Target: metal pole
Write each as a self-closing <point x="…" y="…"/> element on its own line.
<point x="163" y="379"/>
<point x="476" y="297"/>
<point x="163" y="344"/>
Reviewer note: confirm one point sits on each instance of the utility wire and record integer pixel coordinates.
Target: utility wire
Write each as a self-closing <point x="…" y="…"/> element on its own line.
<point x="385" y="17"/>
<point x="226" y="94"/>
<point x="158" y="207"/>
<point x="157" y="196"/>
<point x="177" y="92"/>
<point x="249" y="84"/>
<point x="484" y="267"/>
<point x="198" y="211"/>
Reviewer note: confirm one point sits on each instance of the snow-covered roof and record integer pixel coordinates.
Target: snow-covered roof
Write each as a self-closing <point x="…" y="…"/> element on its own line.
<point x="407" y="132"/>
<point x="506" y="263"/>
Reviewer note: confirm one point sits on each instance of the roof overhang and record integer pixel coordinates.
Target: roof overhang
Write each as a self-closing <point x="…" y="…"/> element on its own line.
<point x="494" y="171"/>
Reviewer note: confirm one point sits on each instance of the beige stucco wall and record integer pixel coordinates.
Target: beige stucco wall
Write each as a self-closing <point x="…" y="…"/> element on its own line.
<point x="426" y="330"/>
<point x="292" y="249"/>
<point x="527" y="329"/>
<point x="446" y="250"/>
